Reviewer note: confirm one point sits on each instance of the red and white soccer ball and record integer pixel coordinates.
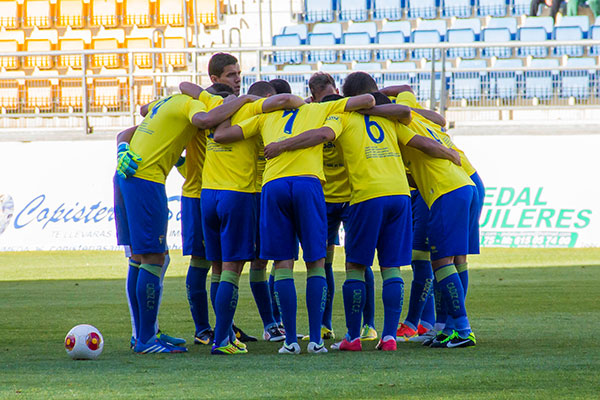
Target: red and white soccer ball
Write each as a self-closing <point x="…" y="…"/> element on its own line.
<point x="84" y="342"/>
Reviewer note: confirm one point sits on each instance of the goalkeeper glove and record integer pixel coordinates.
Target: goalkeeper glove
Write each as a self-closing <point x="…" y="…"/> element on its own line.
<point x="126" y="161"/>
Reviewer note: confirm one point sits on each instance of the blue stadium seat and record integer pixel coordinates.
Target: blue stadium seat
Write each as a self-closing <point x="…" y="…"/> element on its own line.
<point x="520" y="7"/>
<point x="401" y="73"/>
<point x="577" y="83"/>
<point x="318" y="11"/>
<point x="468" y="85"/>
<point x="334" y="27"/>
<point x="299" y="80"/>
<point x="439" y="25"/>
<point x="493" y="8"/>
<point x="534" y="34"/>
<point x="392" y="54"/>
<point x="322" y="39"/>
<point x="422" y="9"/>
<point x="370" y="68"/>
<point x="367" y="27"/>
<point x="568" y="33"/>
<point x="544" y="22"/>
<point x="457" y="8"/>
<point x="286" y="57"/>
<point x="354" y="10"/>
<point x="337" y="77"/>
<point x="505" y="84"/>
<point x="581" y="21"/>
<point x="595" y="35"/>
<point x="469" y="23"/>
<point x="357" y="38"/>
<point x="507" y="22"/>
<point x="300" y="29"/>
<point x="461" y="36"/>
<point x="426" y="37"/>
<point x="496" y="35"/>
<point x="388" y="9"/>
<point x="394" y="26"/>
<point x="423" y="84"/>
<point x="539" y="83"/>
<point x="266" y="73"/>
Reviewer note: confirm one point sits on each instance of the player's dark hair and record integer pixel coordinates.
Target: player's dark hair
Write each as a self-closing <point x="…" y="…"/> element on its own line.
<point x="358" y="83"/>
<point x="331" y="97"/>
<point x="218" y="62"/>
<point x="319" y="81"/>
<point x="215" y="88"/>
<point x="380" y="98"/>
<point x="281" y="86"/>
<point x="262" y="89"/>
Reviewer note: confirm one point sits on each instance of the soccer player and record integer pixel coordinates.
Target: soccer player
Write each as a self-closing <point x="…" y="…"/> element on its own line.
<point x="224" y="68"/>
<point x="379" y="215"/>
<point x="281" y="85"/>
<point x="292" y="205"/>
<point x="141" y="211"/>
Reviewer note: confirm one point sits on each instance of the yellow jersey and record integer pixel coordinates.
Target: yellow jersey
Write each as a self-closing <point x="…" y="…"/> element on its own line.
<point x="163" y="134"/>
<point x="280" y="125"/>
<point x="337" y="184"/>
<point x="371" y="154"/>
<point x="261" y="162"/>
<point x="233" y="166"/>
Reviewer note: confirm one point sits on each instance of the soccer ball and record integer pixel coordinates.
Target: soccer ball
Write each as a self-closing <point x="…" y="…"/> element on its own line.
<point x="84" y="342"/>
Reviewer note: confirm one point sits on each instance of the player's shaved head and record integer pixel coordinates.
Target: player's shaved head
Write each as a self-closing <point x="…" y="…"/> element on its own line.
<point x="281" y="86"/>
<point x="359" y="83"/>
<point x="262" y="89"/>
<point x="321" y="84"/>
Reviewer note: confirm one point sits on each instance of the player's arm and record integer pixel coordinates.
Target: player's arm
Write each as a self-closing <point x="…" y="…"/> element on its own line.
<point x="208" y="120"/>
<point x="225" y="133"/>
<point x="282" y="101"/>
<point x="126" y="135"/>
<point x="359" y="102"/>
<point x="310" y="138"/>
<point x="431" y="115"/>
<point x="396" y="112"/>
<point x="434" y="149"/>
<point x="191" y="89"/>
<point x="396" y="90"/>
<point x="127" y="160"/>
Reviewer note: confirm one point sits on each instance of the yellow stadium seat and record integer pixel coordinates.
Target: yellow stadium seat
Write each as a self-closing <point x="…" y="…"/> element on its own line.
<point x="206" y="12"/>
<point x="70" y="93"/>
<point x="175" y="60"/>
<point x="109" y="92"/>
<point x="38" y="14"/>
<point x="144" y="90"/>
<point x="9" y="17"/>
<point x="40" y="93"/>
<point x="137" y="12"/>
<point x="141" y="60"/>
<point x="73" y="40"/>
<point x="104" y="13"/>
<point x="41" y="62"/>
<point x="11" y="91"/>
<point x="7" y="46"/>
<point x="70" y="13"/>
<point x="170" y="12"/>
<point x="107" y="39"/>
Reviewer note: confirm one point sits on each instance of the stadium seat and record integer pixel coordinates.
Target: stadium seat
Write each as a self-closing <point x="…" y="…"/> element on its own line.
<point x="104" y="13"/>
<point x="107" y="39"/>
<point x="40" y="93"/>
<point x="595" y="35"/>
<point x="461" y="36"/>
<point x="423" y="85"/>
<point x="140" y="60"/>
<point x="568" y="33"/>
<point x="174" y="39"/>
<point x="144" y="90"/>
<point x="334" y="28"/>
<point x="521" y="7"/>
<point x="171" y="12"/>
<point x="433" y="25"/>
<point x="206" y="12"/>
<point x="318" y="11"/>
<point x="11" y="91"/>
<point x="367" y="27"/>
<point x="300" y="29"/>
<point x="73" y="40"/>
<point x="496" y="35"/>
<point x="395" y="26"/>
<point x="540" y="84"/>
<point x="577" y="83"/>
<point x="106" y="92"/>
<point x="400" y="73"/>
<point x="40" y="40"/>
<point x="388" y="9"/>
<point x="373" y="68"/>
<point x="38" y="14"/>
<point x="540" y="22"/>
<point x="492" y="8"/>
<point x="468" y="23"/>
<point x="581" y="21"/>
<point x="9" y="17"/>
<point x="426" y="9"/>
<point x="70" y="13"/>
<point x="535" y="34"/>
<point x="358" y="39"/>
<point x="468" y="85"/>
<point x="298" y="81"/>
<point x="457" y="8"/>
<point x="322" y="39"/>
<point x="286" y="57"/>
<point x="334" y="71"/>
<point x="391" y="54"/>
<point x="507" y="22"/>
<point x="137" y="12"/>
<point x="250" y="78"/>
<point x="9" y="45"/>
<point x="505" y="84"/>
<point x="70" y="93"/>
<point x="354" y="10"/>
<point x="425" y="37"/>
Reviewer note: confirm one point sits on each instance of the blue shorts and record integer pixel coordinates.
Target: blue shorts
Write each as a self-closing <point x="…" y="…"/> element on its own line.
<point x="453" y="226"/>
<point x="229" y="224"/>
<point x="336" y="214"/>
<point x="146" y="214"/>
<point x="382" y="223"/>
<point x="191" y="227"/>
<point x="480" y="190"/>
<point x="293" y="207"/>
<point x="420" y="215"/>
<point x="257" y="235"/>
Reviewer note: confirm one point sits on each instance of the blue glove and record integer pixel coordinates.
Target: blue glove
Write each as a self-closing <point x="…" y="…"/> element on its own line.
<point x="126" y="161"/>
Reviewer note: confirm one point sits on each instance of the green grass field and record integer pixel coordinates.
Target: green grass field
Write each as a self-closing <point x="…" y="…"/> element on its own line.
<point x="536" y="314"/>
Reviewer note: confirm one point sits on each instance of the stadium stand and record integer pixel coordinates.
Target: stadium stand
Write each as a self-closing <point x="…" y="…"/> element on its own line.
<point x="388" y="9"/>
<point x="300" y="30"/>
<point x="505" y="84"/>
<point x="568" y="33"/>
<point x="369" y="28"/>
<point x="496" y="35"/>
<point x="333" y="28"/>
<point x="38" y="14"/>
<point x="354" y="10"/>
<point x="577" y="83"/>
<point x="468" y="23"/>
<point x="397" y="26"/>
<point x="506" y="22"/>
<point x="104" y="13"/>
<point x="532" y="34"/>
<point x="9" y="17"/>
<point x="334" y="69"/>
<point x="461" y="36"/>
<point x="287" y="57"/>
<point x="391" y="37"/>
<point x="404" y="73"/>
<point x="319" y="10"/>
<point x="457" y="8"/>
<point x="468" y="85"/>
<point x="171" y="12"/>
<point x="70" y="14"/>
<point x="540" y="83"/>
<point x="322" y="39"/>
<point x="356" y="38"/>
<point x="426" y="9"/>
<point x="492" y="8"/>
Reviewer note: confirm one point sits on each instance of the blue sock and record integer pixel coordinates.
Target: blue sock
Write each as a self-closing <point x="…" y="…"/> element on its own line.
<point x="440" y="307"/>
<point x="463" y="273"/>
<point x="285" y="294"/>
<point x="225" y="305"/>
<point x="316" y="297"/>
<point x="195" y="284"/>
<point x="130" y="288"/>
<point x="148" y="293"/>
<point x="452" y="292"/>
<point x="354" y="294"/>
<point x="369" y="310"/>
<point x="428" y="314"/>
<point x="392" y="295"/>
<point x="274" y="306"/>
<point x="214" y="287"/>
<point x="262" y="296"/>
<point x="420" y="286"/>
<point x="330" y="293"/>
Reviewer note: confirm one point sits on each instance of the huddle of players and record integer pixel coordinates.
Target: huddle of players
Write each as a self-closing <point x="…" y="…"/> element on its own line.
<point x="367" y="156"/>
